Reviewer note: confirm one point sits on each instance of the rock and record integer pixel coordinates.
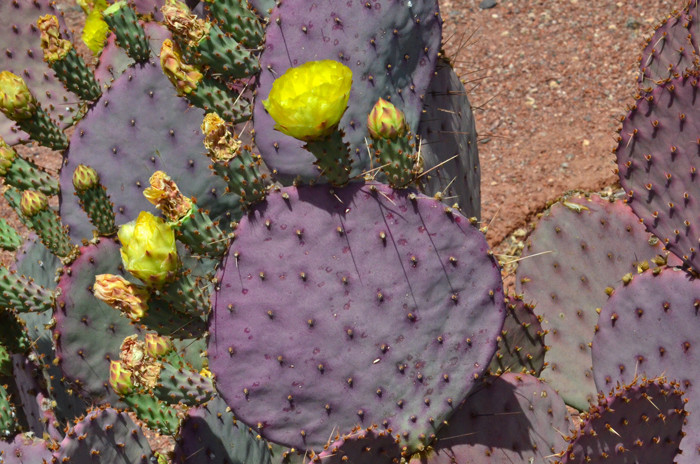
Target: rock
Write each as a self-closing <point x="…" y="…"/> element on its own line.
<point x="486" y="4"/>
<point x="632" y="23"/>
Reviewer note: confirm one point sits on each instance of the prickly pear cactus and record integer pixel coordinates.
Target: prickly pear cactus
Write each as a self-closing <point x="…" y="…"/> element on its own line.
<point x="380" y="315"/>
<point x="577" y="255"/>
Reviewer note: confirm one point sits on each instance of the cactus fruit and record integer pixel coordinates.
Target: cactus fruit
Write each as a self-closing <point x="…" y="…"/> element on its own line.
<point x="585" y="245"/>
<point x="379" y="320"/>
<point x="639" y="422"/>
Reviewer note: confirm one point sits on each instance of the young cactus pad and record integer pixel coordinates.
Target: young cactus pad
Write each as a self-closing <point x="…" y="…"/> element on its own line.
<point x="386" y="305"/>
<point x="20" y="41"/>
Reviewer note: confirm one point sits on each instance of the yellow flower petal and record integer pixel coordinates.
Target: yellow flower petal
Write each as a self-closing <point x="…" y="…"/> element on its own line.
<point x="307" y="102"/>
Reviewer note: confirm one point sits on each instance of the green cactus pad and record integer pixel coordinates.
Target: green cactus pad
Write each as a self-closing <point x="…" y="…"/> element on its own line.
<point x="158" y="415"/>
<point x="130" y="35"/>
<point x="10" y="239"/>
<point x="24" y="174"/>
<point x="77" y="76"/>
<point x="22" y="294"/>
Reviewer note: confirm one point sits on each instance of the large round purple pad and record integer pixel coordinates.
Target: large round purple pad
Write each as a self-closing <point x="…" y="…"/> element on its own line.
<point x="352" y="306"/>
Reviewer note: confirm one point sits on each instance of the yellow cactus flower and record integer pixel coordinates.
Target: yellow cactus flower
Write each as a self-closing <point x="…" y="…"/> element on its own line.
<point x="307" y="102"/>
<point x="122" y="295"/>
<point x="148" y="249"/>
<point x="166" y="196"/>
<point x="96" y="29"/>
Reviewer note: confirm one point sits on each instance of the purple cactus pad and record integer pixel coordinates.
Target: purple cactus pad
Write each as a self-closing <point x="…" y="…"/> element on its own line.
<point x="25" y="449"/>
<point x="672" y="50"/>
<point x="586" y="245"/>
<point x="650" y="328"/>
<point x="390" y="47"/>
<point x="514" y="418"/>
<point x="657" y="157"/>
<point x="126" y="143"/>
<point x="635" y="424"/>
<point x="353" y="306"/>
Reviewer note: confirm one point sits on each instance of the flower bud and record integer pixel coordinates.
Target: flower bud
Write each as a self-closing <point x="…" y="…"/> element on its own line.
<point x="16" y="100"/>
<point x="221" y="143"/>
<point x="148" y="249"/>
<point x="33" y="203"/>
<point x="386" y="121"/>
<point x="7" y="156"/>
<point x="157" y="346"/>
<point x="307" y="102"/>
<point x="121" y="294"/>
<point x="182" y="75"/>
<point x="85" y="178"/>
<point x="120" y="378"/>
<point x="166" y="196"/>
<point x="55" y="48"/>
